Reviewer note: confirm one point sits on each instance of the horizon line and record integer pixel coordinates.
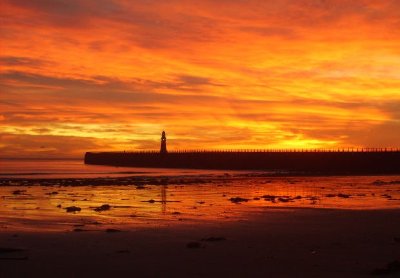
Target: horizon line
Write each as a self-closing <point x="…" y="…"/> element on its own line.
<point x="385" y="149"/>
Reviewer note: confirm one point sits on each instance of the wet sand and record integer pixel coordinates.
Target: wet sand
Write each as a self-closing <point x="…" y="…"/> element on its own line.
<point x="200" y="226"/>
<point x="281" y="242"/>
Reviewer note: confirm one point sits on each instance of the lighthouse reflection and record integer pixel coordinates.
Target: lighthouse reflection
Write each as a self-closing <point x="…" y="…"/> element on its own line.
<point x="163" y="199"/>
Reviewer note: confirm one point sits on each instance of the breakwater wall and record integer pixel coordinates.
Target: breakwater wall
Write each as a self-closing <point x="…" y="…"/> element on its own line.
<point x="373" y="161"/>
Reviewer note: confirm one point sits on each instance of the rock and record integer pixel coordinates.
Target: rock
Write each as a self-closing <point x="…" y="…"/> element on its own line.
<point x="18" y="192"/>
<point x="103" y="207"/>
<point x="113" y="231"/>
<point x="380" y="182"/>
<point x="269" y="198"/>
<point x="72" y="209"/>
<point x="79" y="230"/>
<point x="392" y="267"/>
<point x="237" y="200"/>
<point x="5" y="250"/>
<point x="213" y="239"/>
<point x="193" y="245"/>
<point x="123" y="251"/>
<point x="283" y="200"/>
<point x="341" y="195"/>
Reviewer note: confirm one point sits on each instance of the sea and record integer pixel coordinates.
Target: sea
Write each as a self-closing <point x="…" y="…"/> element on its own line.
<point x="64" y="195"/>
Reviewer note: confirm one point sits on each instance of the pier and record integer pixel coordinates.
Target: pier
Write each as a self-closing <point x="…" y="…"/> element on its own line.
<point x="345" y="161"/>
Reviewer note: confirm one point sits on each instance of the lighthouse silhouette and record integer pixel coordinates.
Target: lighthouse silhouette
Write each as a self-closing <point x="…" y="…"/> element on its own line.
<point x="163" y="148"/>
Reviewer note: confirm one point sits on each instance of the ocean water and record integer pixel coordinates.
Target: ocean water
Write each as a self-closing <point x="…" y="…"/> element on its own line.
<point x="77" y="169"/>
<point x="35" y="195"/>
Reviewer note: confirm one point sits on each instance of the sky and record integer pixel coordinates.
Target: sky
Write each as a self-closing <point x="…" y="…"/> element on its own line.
<point x="97" y="75"/>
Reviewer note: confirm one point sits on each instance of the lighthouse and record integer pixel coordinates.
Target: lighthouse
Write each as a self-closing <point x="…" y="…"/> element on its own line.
<point x="163" y="148"/>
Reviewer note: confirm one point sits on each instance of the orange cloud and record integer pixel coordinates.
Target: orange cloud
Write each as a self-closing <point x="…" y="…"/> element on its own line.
<point x="237" y="74"/>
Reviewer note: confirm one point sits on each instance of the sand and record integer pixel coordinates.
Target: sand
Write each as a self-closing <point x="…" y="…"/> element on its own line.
<point x="292" y="242"/>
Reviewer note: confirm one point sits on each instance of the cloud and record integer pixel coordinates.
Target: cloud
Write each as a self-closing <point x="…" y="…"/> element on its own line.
<point x="20" y="61"/>
<point x="212" y="73"/>
<point x="271" y="31"/>
<point x="44" y="146"/>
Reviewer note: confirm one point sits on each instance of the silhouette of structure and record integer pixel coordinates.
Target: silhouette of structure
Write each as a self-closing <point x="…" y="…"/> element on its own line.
<point x="163" y="199"/>
<point x="163" y="149"/>
<point x="314" y="162"/>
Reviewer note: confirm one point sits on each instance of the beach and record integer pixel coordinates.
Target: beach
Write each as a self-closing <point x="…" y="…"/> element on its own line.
<point x="281" y="242"/>
<point x="178" y="223"/>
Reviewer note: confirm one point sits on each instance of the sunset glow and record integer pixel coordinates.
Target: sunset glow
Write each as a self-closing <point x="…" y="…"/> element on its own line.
<point x="82" y="76"/>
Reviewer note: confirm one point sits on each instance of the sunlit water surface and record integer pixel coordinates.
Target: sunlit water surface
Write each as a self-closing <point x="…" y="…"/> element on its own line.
<point x="171" y="197"/>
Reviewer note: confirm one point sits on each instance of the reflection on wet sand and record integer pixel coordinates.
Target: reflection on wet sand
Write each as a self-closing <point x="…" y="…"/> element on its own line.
<point x="160" y="202"/>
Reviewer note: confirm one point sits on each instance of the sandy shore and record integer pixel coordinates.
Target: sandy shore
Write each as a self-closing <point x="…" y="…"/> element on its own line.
<point x="273" y="243"/>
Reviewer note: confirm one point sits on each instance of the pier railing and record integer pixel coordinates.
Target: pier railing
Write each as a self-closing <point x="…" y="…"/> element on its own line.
<point x="335" y="150"/>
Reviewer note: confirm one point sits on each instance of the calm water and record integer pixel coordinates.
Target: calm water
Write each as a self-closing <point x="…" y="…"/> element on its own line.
<point x="159" y="197"/>
<point x="77" y="169"/>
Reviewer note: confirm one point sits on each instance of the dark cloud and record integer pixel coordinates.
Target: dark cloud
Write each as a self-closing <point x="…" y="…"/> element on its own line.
<point x="47" y="146"/>
<point x="194" y="80"/>
<point x="68" y="13"/>
<point x="107" y="88"/>
<point x="21" y="61"/>
<point x="288" y="33"/>
<point x="143" y="23"/>
<point x="96" y="99"/>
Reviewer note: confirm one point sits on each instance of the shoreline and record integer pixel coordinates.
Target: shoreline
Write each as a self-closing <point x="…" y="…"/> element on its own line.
<point x="172" y="179"/>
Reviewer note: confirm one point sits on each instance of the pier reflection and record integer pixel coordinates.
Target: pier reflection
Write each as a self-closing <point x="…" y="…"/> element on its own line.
<point x="163" y="199"/>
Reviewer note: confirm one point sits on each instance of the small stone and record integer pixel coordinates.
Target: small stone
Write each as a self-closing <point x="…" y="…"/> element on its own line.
<point x="341" y="195"/>
<point x="392" y="267"/>
<point x="193" y="245"/>
<point x="113" y="231"/>
<point x="18" y="192"/>
<point x="123" y="251"/>
<point x="283" y="200"/>
<point x="214" y="239"/>
<point x="72" y="209"/>
<point x="103" y="207"/>
<point x="237" y="200"/>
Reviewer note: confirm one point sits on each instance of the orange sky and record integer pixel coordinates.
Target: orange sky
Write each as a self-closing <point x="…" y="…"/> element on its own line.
<point x="111" y="75"/>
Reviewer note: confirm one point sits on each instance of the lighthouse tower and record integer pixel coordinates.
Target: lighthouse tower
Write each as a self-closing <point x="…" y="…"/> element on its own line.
<point x="163" y="143"/>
